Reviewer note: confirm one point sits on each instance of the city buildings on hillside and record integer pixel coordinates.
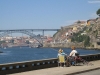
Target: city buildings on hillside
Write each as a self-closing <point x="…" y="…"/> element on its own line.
<point x="77" y="26"/>
<point x="18" y="41"/>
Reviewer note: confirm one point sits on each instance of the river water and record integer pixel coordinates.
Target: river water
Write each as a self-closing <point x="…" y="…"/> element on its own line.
<point x="17" y="54"/>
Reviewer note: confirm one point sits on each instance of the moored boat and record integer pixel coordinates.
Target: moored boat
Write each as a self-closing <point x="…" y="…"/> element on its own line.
<point x="1" y="52"/>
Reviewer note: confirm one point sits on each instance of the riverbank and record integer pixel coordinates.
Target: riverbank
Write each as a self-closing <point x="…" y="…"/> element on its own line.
<point x="76" y="47"/>
<point x="68" y="45"/>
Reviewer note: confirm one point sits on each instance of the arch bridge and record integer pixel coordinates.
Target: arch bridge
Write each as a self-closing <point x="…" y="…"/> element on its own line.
<point x="27" y="32"/>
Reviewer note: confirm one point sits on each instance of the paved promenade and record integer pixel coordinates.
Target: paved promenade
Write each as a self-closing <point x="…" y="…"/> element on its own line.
<point x="62" y="71"/>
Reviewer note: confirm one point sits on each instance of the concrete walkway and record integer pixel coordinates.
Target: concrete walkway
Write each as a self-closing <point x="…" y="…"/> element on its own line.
<point x="62" y="71"/>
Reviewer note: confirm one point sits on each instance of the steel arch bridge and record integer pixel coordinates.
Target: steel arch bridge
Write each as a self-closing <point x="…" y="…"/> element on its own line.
<point x="27" y="32"/>
<point x="38" y="38"/>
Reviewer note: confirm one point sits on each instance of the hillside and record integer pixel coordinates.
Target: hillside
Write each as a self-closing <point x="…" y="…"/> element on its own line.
<point x="84" y="32"/>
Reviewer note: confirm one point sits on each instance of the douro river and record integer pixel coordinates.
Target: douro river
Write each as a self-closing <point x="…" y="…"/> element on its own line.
<point x="17" y="54"/>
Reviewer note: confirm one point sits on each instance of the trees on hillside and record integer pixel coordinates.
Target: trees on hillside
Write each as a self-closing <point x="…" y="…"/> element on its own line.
<point x="87" y="41"/>
<point x="77" y="37"/>
<point x="98" y="12"/>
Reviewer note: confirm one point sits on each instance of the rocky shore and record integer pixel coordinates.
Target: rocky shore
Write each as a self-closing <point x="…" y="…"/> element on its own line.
<point x="68" y="45"/>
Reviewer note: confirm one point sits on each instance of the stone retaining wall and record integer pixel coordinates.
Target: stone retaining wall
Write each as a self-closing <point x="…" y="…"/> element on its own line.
<point x="37" y="64"/>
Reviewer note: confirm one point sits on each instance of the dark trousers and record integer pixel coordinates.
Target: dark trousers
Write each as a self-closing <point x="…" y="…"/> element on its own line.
<point x="70" y="59"/>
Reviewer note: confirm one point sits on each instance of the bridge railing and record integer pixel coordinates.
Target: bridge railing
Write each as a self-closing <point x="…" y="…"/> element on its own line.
<point x="37" y="64"/>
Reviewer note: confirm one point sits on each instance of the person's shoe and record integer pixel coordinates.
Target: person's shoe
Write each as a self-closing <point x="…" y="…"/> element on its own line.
<point x="73" y="64"/>
<point x="61" y="67"/>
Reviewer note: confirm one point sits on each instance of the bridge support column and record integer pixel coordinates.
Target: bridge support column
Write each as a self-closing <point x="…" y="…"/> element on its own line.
<point x="43" y="33"/>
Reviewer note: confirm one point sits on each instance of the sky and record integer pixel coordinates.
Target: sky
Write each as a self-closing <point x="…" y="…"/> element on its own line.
<point x="45" y="14"/>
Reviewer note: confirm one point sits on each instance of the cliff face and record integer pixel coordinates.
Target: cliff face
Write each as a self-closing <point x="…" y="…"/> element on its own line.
<point x="92" y="30"/>
<point x="95" y="32"/>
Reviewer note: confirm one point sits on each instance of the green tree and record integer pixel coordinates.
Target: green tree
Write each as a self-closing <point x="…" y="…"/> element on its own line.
<point x="27" y="42"/>
<point x="98" y="12"/>
<point x="87" y="41"/>
<point x="78" y="21"/>
<point x="12" y="41"/>
<point x="2" y="42"/>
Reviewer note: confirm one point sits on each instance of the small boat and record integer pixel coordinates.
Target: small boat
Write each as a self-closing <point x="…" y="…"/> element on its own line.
<point x="1" y="52"/>
<point x="5" y="48"/>
<point x="38" y="46"/>
<point x="29" y="46"/>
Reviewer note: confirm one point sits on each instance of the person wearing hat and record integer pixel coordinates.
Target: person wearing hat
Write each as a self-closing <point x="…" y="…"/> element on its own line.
<point x="61" y="57"/>
<point x="59" y="52"/>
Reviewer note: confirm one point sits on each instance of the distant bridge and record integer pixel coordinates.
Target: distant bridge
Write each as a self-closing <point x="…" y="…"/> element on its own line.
<point x="27" y="32"/>
<point x="30" y="30"/>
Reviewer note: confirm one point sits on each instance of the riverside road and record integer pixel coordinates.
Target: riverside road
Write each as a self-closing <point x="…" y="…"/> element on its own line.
<point x="94" y="72"/>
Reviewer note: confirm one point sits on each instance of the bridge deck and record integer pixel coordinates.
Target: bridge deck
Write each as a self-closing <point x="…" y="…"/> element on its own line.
<point x="62" y="71"/>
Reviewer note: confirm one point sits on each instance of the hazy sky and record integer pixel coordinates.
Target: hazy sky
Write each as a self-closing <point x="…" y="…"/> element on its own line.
<point x="40" y="14"/>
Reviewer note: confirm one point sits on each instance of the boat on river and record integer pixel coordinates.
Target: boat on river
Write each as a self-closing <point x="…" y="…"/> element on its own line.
<point x="39" y="46"/>
<point x="5" y="48"/>
<point x="1" y="52"/>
